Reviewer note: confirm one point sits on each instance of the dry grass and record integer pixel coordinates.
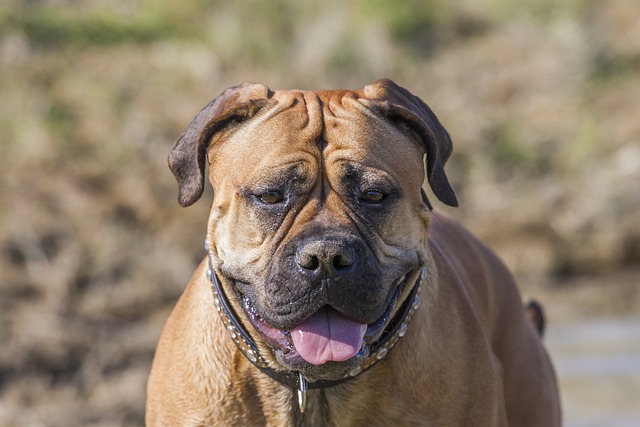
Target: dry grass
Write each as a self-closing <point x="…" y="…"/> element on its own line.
<point x="541" y="99"/>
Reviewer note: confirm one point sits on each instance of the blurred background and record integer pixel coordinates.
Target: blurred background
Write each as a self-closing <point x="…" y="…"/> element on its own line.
<point x="542" y="99"/>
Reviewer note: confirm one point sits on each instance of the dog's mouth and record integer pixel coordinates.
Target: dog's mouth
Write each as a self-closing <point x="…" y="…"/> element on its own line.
<point x="325" y="336"/>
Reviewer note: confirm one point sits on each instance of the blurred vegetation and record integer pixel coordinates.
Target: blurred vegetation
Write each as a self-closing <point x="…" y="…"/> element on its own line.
<point x="56" y="27"/>
<point x="541" y="98"/>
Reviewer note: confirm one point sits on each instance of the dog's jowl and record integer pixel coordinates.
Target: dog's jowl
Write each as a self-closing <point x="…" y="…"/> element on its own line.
<point x="331" y="293"/>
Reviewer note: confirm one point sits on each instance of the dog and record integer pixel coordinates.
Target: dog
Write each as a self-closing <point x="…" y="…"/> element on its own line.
<point x="332" y="293"/>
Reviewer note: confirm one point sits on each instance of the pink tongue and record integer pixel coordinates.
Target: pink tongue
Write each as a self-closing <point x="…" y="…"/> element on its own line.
<point x="327" y="335"/>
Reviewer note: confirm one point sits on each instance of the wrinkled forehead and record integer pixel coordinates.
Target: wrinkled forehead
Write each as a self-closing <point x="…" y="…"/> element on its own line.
<point x="307" y="126"/>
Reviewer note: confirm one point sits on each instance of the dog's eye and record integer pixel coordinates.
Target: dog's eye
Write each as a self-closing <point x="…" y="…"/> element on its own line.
<point x="271" y="197"/>
<point x="372" y="196"/>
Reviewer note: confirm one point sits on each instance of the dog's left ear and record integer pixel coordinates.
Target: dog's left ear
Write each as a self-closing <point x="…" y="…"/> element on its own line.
<point x="187" y="158"/>
<point x="398" y="103"/>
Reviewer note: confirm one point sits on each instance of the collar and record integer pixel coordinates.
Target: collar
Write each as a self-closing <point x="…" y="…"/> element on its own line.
<point x="396" y="329"/>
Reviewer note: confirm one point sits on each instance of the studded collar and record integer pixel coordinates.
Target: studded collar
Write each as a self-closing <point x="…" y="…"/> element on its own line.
<point x="396" y="329"/>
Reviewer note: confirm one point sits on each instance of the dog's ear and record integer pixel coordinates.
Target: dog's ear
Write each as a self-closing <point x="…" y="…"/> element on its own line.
<point x="398" y="103"/>
<point x="187" y="158"/>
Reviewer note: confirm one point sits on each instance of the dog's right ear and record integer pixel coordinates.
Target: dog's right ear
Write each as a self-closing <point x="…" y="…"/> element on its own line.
<point x="187" y="158"/>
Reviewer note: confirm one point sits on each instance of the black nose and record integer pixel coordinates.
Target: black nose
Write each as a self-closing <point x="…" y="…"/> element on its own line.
<point x="325" y="258"/>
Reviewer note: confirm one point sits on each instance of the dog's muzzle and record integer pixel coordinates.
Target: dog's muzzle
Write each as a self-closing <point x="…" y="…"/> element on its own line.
<point x="365" y="345"/>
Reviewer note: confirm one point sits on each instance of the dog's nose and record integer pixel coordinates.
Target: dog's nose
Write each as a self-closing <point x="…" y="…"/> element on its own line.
<point x="322" y="258"/>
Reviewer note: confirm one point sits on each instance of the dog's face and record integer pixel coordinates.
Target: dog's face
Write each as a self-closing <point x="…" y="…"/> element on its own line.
<point x="317" y="226"/>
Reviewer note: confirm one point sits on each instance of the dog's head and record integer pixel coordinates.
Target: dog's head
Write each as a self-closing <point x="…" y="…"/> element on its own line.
<point x="318" y="220"/>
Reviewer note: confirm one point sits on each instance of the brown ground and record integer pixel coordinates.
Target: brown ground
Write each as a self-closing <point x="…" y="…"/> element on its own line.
<point x="542" y="101"/>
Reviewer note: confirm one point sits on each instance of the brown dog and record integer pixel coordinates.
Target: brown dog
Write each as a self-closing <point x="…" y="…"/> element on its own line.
<point x="339" y="298"/>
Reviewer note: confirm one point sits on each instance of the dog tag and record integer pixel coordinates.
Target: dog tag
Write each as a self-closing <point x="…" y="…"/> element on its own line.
<point x="302" y="393"/>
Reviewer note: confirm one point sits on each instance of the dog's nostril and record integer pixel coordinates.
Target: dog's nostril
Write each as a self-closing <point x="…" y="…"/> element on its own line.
<point x="321" y="258"/>
<point x="341" y="262"/>
<point x="313" y="263"/>
<point x="310" y="263"/>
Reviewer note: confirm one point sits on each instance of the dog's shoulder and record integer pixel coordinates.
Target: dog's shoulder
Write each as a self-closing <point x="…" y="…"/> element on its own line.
<point x="462" y="258"/>
<point x="442" y="226"/>
<point x="457" y="244"/>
